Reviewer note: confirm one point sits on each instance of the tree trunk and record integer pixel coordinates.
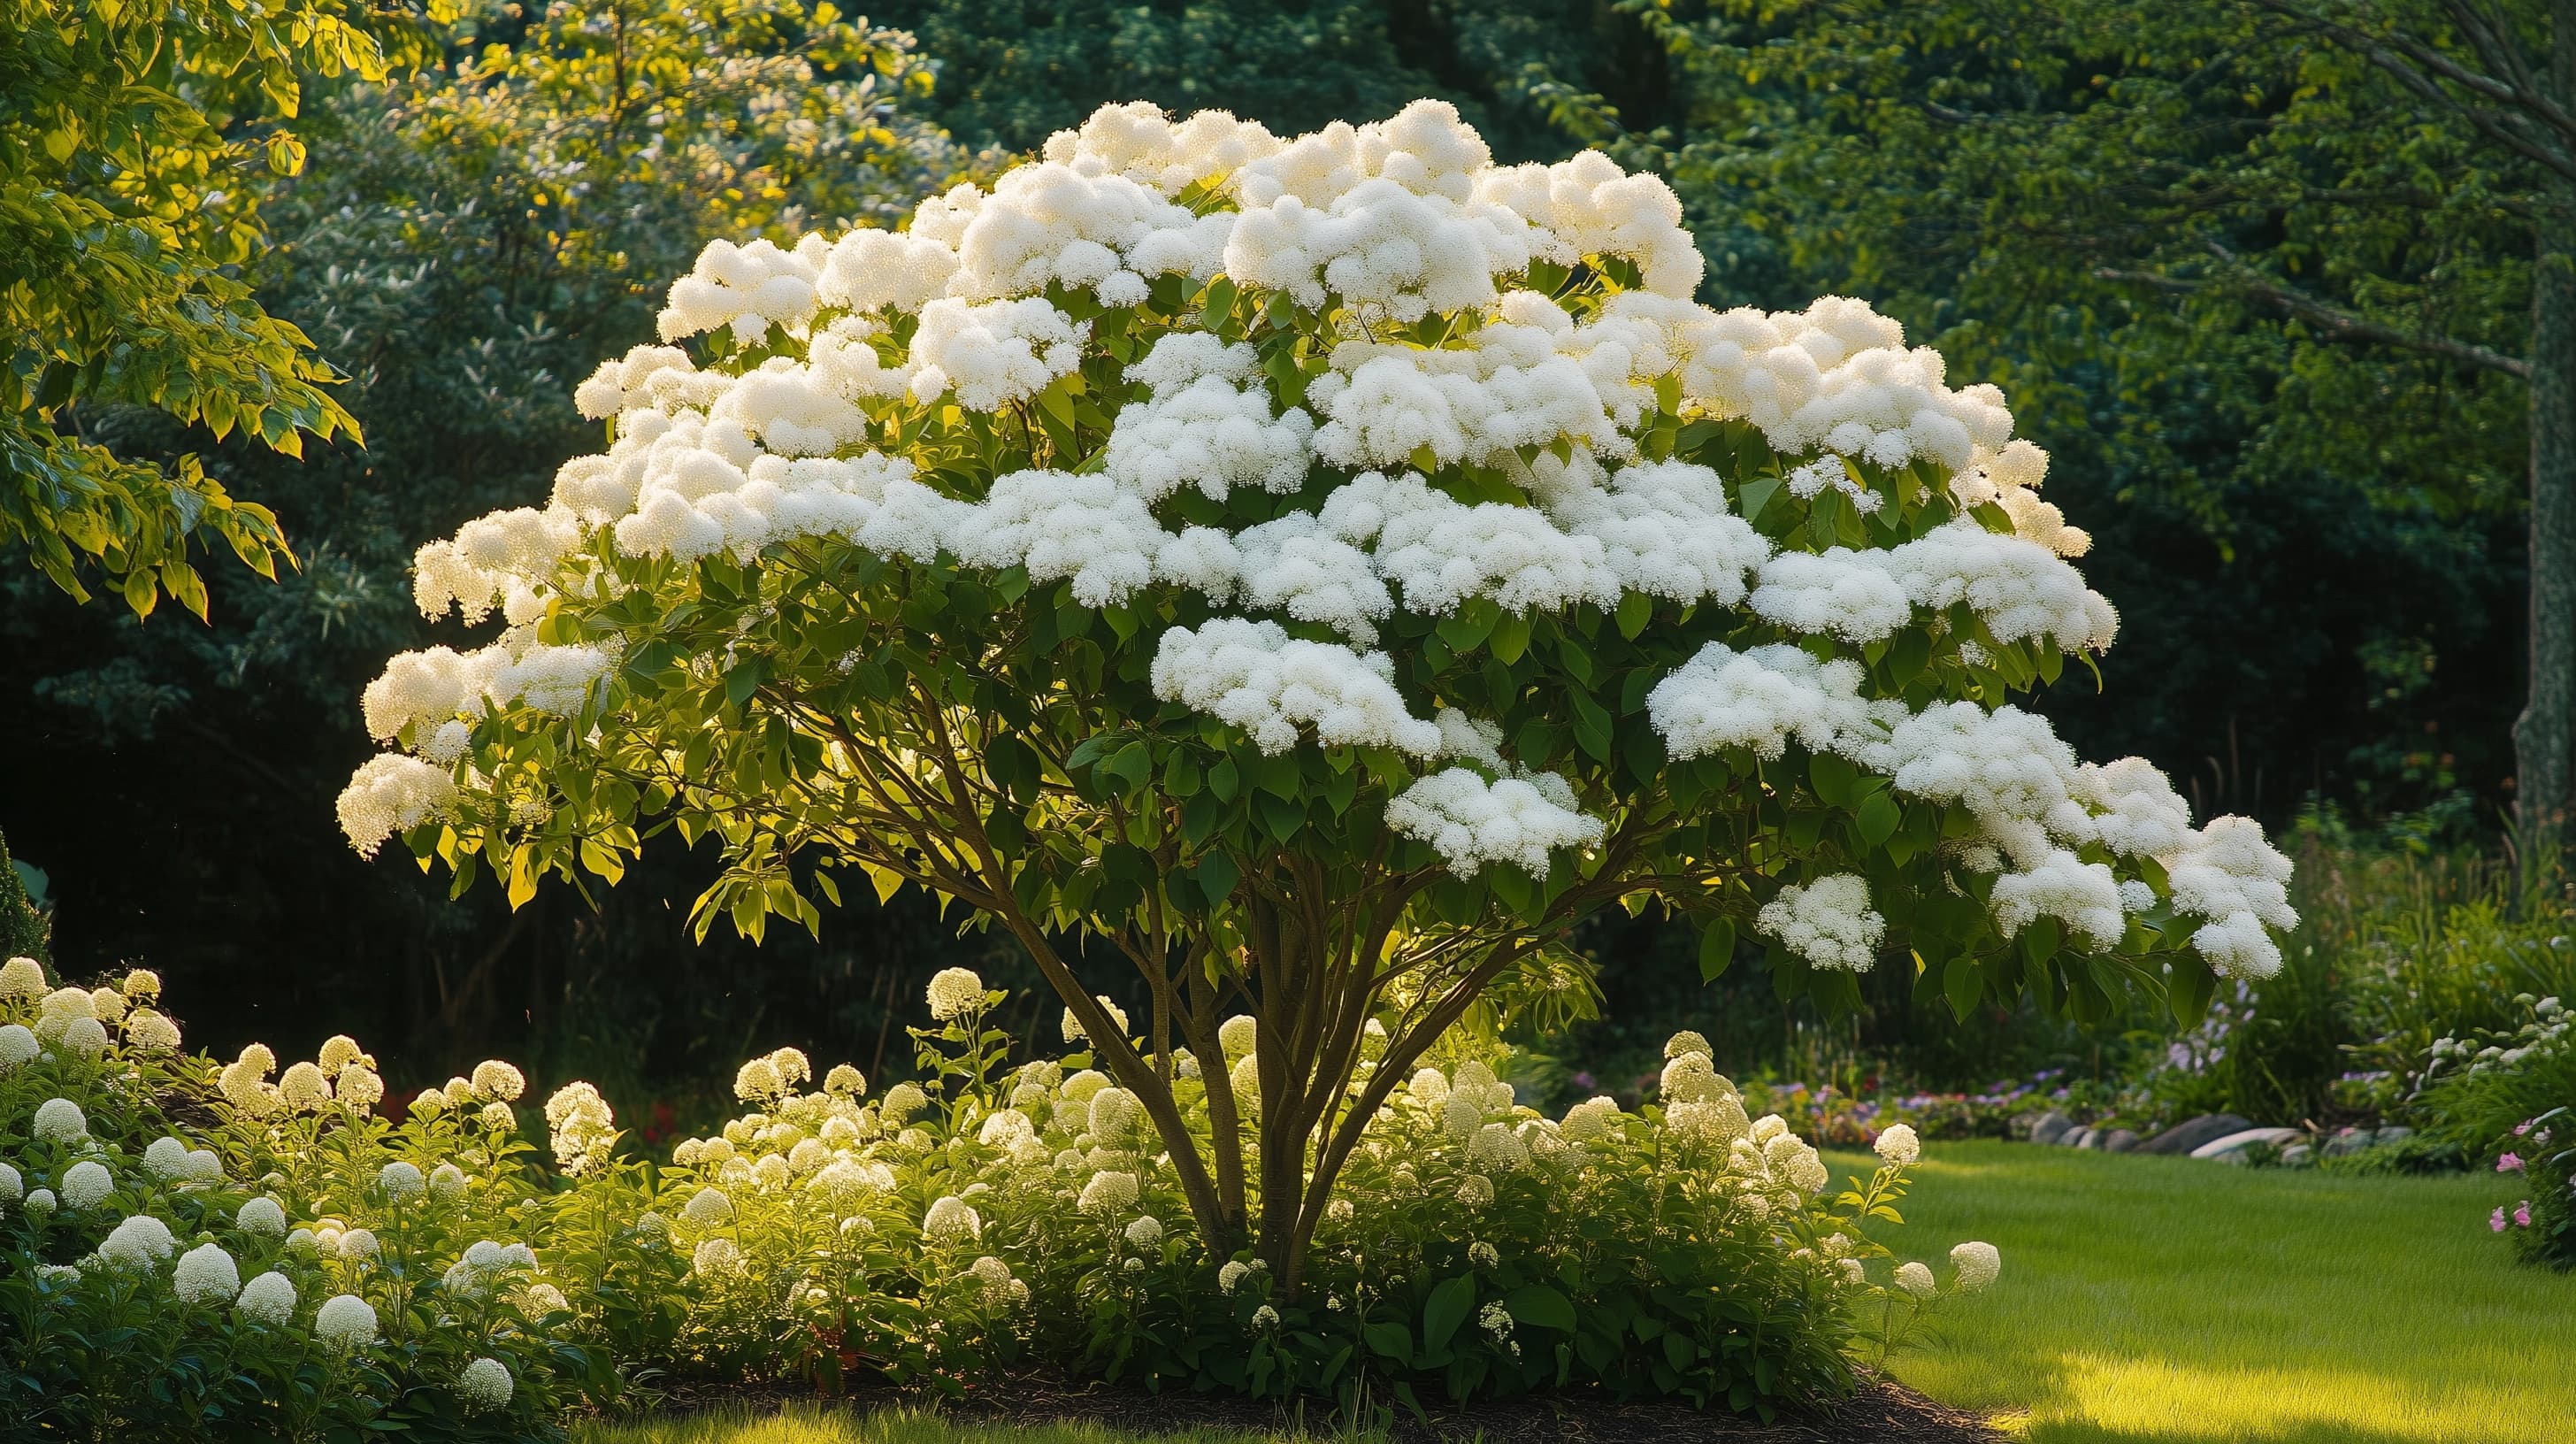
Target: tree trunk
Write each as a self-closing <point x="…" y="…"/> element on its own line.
<point x="2545" y="734"/>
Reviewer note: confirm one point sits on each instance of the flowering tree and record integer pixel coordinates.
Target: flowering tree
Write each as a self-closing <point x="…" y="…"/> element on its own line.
<point x="1324" y="571"/>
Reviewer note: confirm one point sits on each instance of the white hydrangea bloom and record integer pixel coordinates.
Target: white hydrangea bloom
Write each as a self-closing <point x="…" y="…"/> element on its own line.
<point x="18" y="1045"/>
<point x="1253" y="675"/>
<point x="392" y="793"/>
<point x="2229" y="874"/>
<point x="86" y="1183"/>
<point x="1763" y="699"/>
<point x="954" y="991"/>
<point x="1898" y="1144"/>
<point x="401" y="1181"/>
<point x="268" y="1299"/>
<point x="749" y="288"/>
<point x="206" y="1275"/>
<point x="262" y="1216"/>
<point x="950" y="1218"/>
<point x="582" y="1130"/>
<point x="1915" y="1279"/>
<point x="22" y="978"/>
<point x="60" y="1120"/>
<point x="1828" y="922"/>
<point x="993" y="353"/>
<point x="1207" y="423"/>
<point x="345" y="1322"/>
<point x="485" y="1385"/>
<point x="1471" y="822"/>
<point x="1978" y="1265"/>
<point x="140" y="1242"/>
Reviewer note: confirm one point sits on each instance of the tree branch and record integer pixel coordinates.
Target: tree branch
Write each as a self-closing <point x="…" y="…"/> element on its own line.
<point x="2335" y="323"/>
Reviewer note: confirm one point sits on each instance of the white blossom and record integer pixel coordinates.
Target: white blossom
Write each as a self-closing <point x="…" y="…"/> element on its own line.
<point x="1828" y="922"/>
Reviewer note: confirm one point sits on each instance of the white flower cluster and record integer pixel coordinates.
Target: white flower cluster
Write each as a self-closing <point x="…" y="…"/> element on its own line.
<point x="1471" y="822"/>
<point x="1828" y="922"/>
<point x="582" y="1129"/>
<point x="2033" y="801"/>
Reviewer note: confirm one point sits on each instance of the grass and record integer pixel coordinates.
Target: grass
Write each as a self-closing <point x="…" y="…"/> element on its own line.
<point x="2163" y="1301"/>
<point x="820" y="1424"/>
<point x="2144" y="1301"/>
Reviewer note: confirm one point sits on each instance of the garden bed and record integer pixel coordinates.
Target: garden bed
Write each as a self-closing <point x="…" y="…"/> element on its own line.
<point x="1881" y="1411"/>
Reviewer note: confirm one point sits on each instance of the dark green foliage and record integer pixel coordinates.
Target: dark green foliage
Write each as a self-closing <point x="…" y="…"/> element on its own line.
<point x="1013" y="72"/>
<point x="23" y="928"/>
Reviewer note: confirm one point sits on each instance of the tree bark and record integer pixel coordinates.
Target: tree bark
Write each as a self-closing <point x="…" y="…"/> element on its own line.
<point x="2545" y="735"/>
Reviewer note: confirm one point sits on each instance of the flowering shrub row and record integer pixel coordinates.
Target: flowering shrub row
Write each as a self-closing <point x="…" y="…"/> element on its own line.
<point x="268" y="1255"/>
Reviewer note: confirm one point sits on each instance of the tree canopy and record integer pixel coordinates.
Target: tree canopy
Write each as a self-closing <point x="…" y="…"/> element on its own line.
<point x="130" y="138"/>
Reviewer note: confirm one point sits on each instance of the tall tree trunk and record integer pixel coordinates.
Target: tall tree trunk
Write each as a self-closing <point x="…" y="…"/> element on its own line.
<point x="2545" y="734"/>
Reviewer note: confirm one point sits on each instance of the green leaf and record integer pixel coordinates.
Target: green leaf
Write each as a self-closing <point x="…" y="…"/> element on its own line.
<point x="1217" y="875"/>
<point x="1510" y="637"/>
<point x="1447" y="1308"/>
<point x="1833" y="778"/>
<point x="745" y="679"/>
<point x="1716" y="949"/>
<point x="1962" y="984"/>
<point x="1391" y="1340"/>
<point x="1756" y="494"/>
<point x="1132" y="765"/>
<point x="1878" y="818"/>
<point x="1540" y="1307"/>
<point x="2190" y="991"/>
<point x="1470" y="626"/>
<point x="1636" y="609"/>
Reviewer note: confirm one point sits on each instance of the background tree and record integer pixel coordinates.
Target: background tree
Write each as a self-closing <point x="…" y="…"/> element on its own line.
<point x="130" y="136"/>
<point x="2134" y="205"/>
<point x="462" y="241"/>
<point x="1203" y="557"/>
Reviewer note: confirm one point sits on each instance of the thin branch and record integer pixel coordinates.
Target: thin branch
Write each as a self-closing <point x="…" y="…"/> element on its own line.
<point x="2335" y="323"/>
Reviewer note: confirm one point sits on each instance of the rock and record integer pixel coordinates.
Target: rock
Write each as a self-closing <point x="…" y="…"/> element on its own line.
<point x="2189" y="1134"/>
<point x="2119" y="1140"/>
<point x="2348" y="1140"/>
<point x="2231" y="1147"/>
<point x="2298" y="1155"/>
<point x="2393" y="1134"/>
<point x="2092" y="1139"/>
<point x="2052" y="1127"/>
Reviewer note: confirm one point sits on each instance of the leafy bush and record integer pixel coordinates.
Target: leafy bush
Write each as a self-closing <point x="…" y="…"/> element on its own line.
<point x="994" y="1216"/>
<point x="2509" y="1097"/>
<point x="195" y="1253"/>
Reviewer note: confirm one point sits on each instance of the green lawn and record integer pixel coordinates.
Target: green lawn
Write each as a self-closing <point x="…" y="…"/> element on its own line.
<point x="815" y="1424"/>
<point x="2162" y="1301"/>
<point x="2144" y="1301"/>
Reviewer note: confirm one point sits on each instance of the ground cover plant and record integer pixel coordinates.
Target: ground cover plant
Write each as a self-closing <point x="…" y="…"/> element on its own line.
<point x="2176" y="1301"/>
<point x="1320" y="573"/>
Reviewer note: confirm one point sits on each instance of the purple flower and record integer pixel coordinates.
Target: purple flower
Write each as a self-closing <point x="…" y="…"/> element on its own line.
<point x="1584" y="1080"/>
<point x="2509" y="1163"/>
<point x="2495" y="1221"/>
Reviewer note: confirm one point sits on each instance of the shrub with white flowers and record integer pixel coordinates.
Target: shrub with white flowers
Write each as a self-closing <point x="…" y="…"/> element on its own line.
<point x="233" y="1234"/>
<point x="1328" y="568"/>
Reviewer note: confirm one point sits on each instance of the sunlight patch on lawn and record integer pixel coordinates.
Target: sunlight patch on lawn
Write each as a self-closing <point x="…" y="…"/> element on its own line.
<point x="2161" y="1301"/>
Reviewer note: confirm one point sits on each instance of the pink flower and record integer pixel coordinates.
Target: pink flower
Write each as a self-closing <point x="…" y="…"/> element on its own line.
<point x="2495" y="1221"/>
<point x="2522" y="1214"/>
<point x="2522" y="1128"/>
<point x="2509" y="1163"/>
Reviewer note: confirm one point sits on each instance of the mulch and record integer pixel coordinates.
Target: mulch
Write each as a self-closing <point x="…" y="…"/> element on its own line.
<point x="1882" y="1412"/>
